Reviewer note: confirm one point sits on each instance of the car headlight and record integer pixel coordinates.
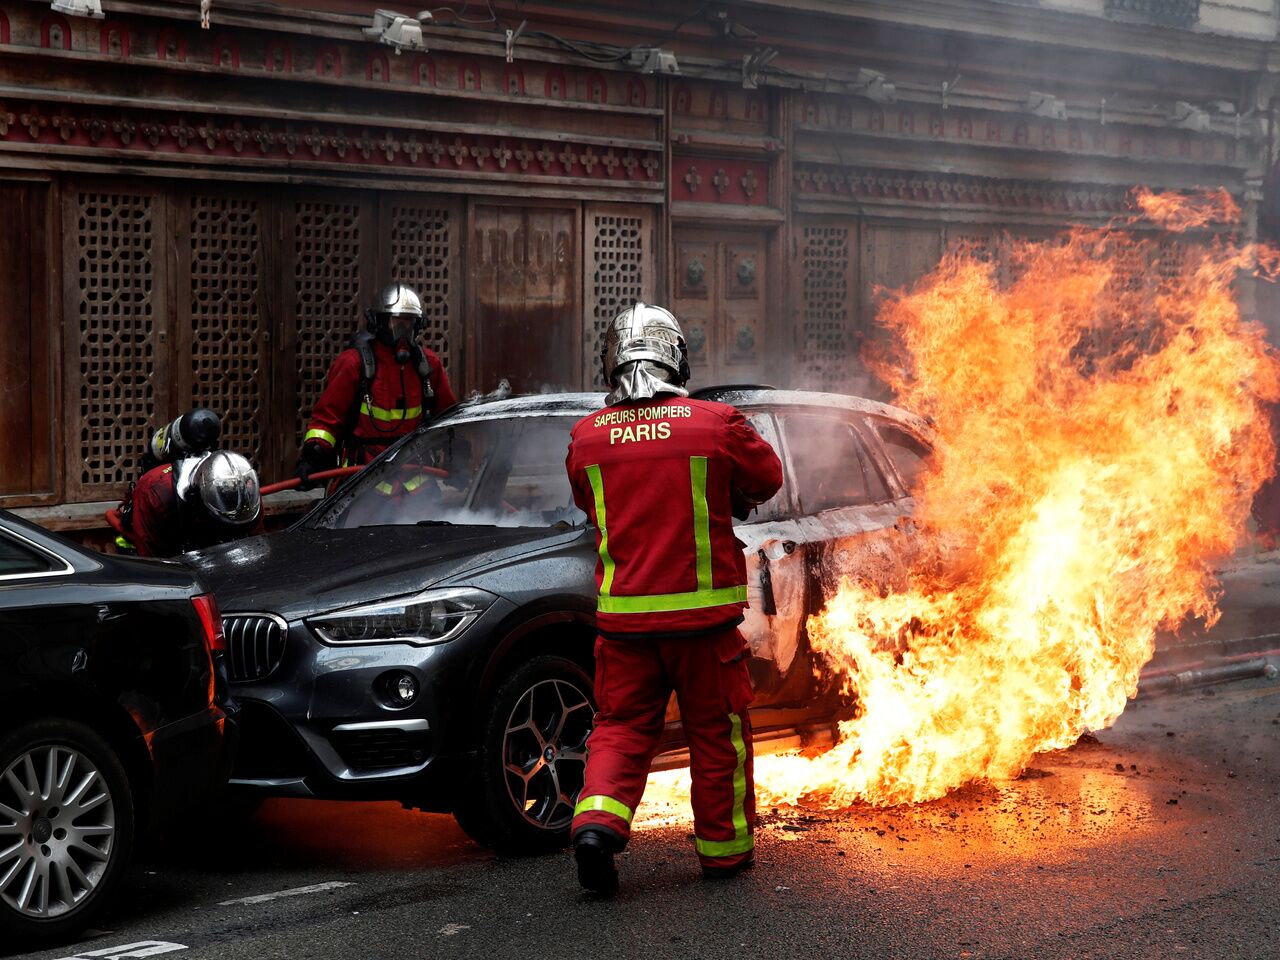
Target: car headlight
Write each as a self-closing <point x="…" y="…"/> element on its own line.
<point x="436" y="616"/>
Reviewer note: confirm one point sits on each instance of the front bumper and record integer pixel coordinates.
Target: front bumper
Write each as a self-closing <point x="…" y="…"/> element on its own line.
<point x="319" y="726"/>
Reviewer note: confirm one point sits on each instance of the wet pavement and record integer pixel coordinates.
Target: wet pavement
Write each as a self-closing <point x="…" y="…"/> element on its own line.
<point x="1157" y="838"/>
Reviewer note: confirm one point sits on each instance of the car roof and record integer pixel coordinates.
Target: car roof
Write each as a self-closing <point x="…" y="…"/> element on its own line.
<point x="581" y="404"/>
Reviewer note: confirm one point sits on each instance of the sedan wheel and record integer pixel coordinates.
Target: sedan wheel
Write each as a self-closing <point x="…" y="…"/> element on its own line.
<point x="66" y="819"/>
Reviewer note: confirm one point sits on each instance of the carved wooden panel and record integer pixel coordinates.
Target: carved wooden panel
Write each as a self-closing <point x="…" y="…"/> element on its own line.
<point x="829" y="296"/>
<point x="424" y="241"/>
<point x="525" y="273"/>
<point x="618" y="270"/>
<point x="328" y="294"/>
<point x="228" y="362"/>
<point x="721" y="291"/>
<point x="116" y="329"/>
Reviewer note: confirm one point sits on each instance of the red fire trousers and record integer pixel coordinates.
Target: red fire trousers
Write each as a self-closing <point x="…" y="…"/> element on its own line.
<point x="634" y="681"/>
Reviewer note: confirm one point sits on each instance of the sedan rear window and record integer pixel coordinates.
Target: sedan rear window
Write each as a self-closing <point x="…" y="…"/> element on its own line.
<point x="17" y="560"/>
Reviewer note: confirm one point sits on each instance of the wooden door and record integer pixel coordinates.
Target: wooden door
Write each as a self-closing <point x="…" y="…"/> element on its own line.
<point x="26" y="411"/>
<point x="526" y="310"/>
<point x="720" y="297"/>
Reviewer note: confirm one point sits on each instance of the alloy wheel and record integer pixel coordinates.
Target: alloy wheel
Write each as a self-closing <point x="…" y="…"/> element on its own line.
<point x="544" y="752"/>
<point x="57" y="831"/>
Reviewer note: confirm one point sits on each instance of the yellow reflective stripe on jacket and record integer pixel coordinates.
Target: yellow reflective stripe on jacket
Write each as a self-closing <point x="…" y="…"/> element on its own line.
<point x="742" y="839"/>
<point x="318" y="434"/>
<point x="386" y="489"/>
<point x="606" y="561"/>
<point x="413" y="483"/>
<point x="668" y="602"/>
<point x="382" y="413"/>
<point x="607" y="804"/>
<point x="705" y="595"/>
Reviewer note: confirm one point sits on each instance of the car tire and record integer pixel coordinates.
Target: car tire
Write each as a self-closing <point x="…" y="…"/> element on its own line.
<point x="533" y="753"/>
<point x="65" y="841"/>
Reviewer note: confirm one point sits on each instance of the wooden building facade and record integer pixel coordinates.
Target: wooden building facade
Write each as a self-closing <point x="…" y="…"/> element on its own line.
<point x="199" y="216"/>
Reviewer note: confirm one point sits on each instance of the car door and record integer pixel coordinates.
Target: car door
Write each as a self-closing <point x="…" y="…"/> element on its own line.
<point x="776" y="589"/>
<point x="850" y="503"/>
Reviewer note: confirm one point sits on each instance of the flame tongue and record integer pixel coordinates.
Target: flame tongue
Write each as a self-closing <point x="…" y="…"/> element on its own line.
<point x="1101" y="433"/>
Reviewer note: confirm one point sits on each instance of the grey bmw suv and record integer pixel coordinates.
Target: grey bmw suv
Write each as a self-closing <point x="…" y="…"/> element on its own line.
<point x="425" y="634"/>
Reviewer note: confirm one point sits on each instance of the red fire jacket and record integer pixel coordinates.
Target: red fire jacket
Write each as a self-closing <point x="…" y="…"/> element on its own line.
<point x="394" y="407"/>
<point x="161" y="525"/>
<point x="659" y="478"/>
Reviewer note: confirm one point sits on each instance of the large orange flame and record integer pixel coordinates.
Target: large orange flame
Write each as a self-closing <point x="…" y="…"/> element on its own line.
<point x="1101" y="430"/>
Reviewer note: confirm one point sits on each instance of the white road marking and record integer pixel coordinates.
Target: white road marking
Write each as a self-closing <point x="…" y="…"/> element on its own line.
<point x="295" y="892"/>
<point x="449" y="929"/>
<point x="144" y="948"/>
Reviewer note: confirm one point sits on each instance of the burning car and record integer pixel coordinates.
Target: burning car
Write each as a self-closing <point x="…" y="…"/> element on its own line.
<point x="425" y="634"/>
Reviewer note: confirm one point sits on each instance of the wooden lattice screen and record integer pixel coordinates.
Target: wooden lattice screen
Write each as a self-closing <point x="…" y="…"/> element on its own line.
<point x="827" y="332"/>
<point x="424" y="252"/>
<point x="116" y="317"/>
<point x="618" y="270"/>
<point x="329" y="295"/>
<point x="229" y="367"/>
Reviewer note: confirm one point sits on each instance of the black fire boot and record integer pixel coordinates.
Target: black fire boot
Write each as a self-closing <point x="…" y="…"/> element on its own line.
<point x="593" y="849"/>
<point x="725" y="873"/>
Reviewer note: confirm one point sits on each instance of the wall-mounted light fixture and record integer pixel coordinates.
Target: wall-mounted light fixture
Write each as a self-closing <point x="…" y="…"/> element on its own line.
<point x="79" y="8"/>
<point x="653" y="60"/>
<point x="397" y="30"/>
<point x="1046" y="105"/>
<point x="874" y="86"/>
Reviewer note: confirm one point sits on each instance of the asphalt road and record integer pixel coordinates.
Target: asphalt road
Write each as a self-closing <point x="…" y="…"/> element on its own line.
<point x="1158" y="838"/>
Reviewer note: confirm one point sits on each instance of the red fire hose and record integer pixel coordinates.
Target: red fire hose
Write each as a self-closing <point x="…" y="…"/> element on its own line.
<point x="293" y="482"/>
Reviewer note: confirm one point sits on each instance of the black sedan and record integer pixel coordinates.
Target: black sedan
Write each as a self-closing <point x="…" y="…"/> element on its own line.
<point x="426" y="633"/>
<point x="113" y="714"/>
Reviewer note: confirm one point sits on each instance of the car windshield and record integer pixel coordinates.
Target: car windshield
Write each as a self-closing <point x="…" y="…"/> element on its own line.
<point x="501" y="472"/>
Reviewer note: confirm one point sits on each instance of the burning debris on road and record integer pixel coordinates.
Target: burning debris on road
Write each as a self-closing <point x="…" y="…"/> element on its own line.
<point x="1099" y="441"/>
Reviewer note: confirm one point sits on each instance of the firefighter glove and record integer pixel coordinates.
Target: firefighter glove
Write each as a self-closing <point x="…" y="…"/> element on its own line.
<point x="313" y="459"/>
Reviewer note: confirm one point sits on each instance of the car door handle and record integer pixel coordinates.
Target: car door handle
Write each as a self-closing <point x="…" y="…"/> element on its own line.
<point x="768" y="605"/>
<point x="777" y="549"/>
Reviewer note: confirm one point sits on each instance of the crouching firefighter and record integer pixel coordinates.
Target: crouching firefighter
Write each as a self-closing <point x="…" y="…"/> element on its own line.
<point x="661" y="476"/>
<point x="191" y="496"/>
<point x="378" y="389"/>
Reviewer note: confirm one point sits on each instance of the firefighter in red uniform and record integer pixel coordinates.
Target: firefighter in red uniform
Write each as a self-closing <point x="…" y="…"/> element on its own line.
<point x="192" y="503"/>
<point x="379" y="389"/>
<point x="661" y="476"/>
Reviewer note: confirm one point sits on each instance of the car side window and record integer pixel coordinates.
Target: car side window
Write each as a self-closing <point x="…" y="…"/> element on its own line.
<point x="909" y="455"/>
<point x="17" y="560"/>
<point x="531" y="486"/>
<point x="778" y="506"/>
<point x="832" y="467"/>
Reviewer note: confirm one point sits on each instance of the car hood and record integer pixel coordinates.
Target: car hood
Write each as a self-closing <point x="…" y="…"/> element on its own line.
<point x="300" y="571"/>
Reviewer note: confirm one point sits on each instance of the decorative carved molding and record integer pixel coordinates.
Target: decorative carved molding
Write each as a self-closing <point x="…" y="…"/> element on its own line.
<point x="274" y="141"/>
<point x="732" y="181"/>
<point x="938" y="189"/>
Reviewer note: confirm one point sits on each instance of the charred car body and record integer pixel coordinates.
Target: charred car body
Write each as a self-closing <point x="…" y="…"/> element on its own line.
<point x="426" y="633"/>
<point x="113" y="714"/>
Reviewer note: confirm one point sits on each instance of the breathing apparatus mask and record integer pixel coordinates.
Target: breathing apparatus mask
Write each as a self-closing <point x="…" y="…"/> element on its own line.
<point x="396" y="319"/>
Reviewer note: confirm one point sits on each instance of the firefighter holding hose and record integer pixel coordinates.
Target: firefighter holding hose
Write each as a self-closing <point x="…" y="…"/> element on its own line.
<point x="378" y="389"/>
<point x="661" y="475"/>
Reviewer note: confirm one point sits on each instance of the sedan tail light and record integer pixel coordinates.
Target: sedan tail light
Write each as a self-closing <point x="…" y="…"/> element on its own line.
<point x="211" y="620"/>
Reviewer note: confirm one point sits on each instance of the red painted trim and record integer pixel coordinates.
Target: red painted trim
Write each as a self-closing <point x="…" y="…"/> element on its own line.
<point x="51" y="21"/>
<point x="386" y="67"/>
<point x="422" y="60"/>
<point x="4" y="27"/>
<point x="285" y="51"/>
<point x="549" y="81"/>
<point x="179" y="44"/>
<point x="221" y="43"/>
<point x="104" y="38"/>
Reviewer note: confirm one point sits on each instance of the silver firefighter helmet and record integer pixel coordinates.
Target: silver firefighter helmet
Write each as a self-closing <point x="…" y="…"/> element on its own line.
<point x="399" y="311"/>
<point x="227" y="486"/>
<point x="644" y="354"/>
